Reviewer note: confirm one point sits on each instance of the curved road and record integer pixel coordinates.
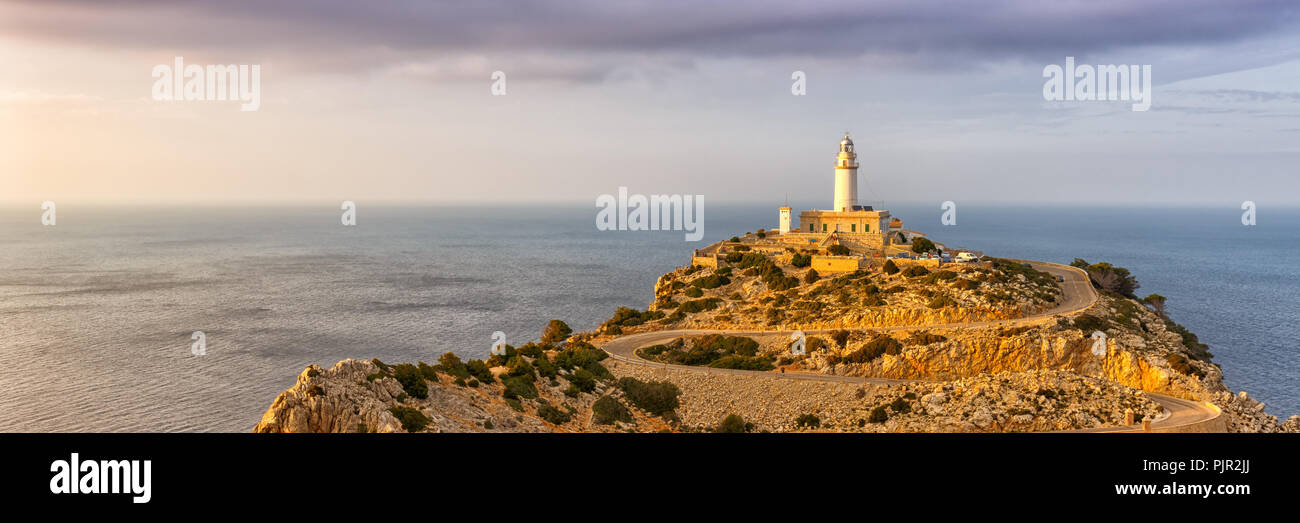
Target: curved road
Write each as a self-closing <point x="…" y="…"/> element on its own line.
<point x="1077" y="295"/>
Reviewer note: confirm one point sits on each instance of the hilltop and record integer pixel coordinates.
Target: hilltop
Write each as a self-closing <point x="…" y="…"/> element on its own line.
<point x="895" y="346"/>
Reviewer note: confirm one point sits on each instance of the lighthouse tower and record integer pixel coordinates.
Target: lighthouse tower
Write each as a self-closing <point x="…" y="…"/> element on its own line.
<point x="846" y="177"/>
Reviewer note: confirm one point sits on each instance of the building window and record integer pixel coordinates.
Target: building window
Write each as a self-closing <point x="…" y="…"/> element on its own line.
<point x="853" y="227"/>
<point x="823" y="227"/>
<point x="810" y="227"/>
<point x="866" y="227"/>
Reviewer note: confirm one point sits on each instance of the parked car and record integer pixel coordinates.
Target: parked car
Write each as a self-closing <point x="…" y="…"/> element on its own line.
<point x="966" y="257"/>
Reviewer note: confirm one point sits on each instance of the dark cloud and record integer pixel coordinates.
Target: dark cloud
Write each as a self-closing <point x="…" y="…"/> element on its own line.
<point x="339" y="31"/>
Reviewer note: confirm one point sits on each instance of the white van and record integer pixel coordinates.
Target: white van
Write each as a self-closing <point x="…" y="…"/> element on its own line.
<point x="965" y="257"/>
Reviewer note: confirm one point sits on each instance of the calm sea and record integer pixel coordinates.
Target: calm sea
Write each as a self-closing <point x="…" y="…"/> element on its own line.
<point x="97" y="312"/>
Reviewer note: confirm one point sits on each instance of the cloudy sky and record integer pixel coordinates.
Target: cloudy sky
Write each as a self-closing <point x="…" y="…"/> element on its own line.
<point x="393" y="101"/>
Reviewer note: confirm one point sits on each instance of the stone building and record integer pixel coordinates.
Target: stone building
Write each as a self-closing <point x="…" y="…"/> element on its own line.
<point x="846" y="222"/>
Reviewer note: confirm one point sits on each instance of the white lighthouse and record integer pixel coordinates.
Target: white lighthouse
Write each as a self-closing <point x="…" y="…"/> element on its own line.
<point x="847" y="221"/>
<point x="846" y="177"/>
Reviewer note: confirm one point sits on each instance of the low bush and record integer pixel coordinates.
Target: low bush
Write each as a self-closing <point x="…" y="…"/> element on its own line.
<point x="878" y="415"/>
<point x="656" y="397"/>
<point x="450" y="363"/>
<point x="916" y="271"/>
<point x="810" y="421"/>
<point x="608" y="410"/>
<point x="878" y="346"/>
<point x="555" y="332"/>
<point x="553" y="415"/>
<point x="478" y="369"/>
<point x="412" y="380"/>
<point x="941" y="301"/>
<point x="924" y="338"/>
<point x="412" y="419"/>
<point x="711" y="281"/>
<point x="889" y="268"/>
<point x="732" y="424"/>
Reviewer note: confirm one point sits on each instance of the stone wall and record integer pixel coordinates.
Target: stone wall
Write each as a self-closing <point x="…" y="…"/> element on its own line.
<point x="829" y="264"/>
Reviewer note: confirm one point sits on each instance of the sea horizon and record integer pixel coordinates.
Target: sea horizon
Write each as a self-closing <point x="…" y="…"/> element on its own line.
<point x="106" y="301"/>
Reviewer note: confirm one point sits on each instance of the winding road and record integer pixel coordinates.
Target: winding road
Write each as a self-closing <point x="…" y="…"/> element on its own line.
<point x="1077" y="295"/>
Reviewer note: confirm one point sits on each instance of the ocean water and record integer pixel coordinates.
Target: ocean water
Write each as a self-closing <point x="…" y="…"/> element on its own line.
<point x="97" y="312"/>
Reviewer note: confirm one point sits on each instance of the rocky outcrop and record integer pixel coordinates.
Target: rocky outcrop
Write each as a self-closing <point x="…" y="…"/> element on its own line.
<point x="337" y="400"/>
<point x="356" y="396"/>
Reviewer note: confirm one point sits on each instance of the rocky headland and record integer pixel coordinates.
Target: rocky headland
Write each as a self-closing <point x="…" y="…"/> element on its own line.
<point x="966" y="347"/>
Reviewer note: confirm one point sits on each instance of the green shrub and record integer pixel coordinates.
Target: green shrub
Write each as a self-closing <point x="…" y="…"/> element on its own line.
<point x="941" y="301"/>
<point x="711" y="281"/>
<point x="838" y="250"/>
<point x="608" y="410"/>
<point x="533" y="350"/>
<point x="810" y="421"/>
<point x="916" y="271"/>
<point x="841" y="337"/>
<point x="1088" y="324"/>
<point x="555" y="332"/>
<point x="811" y="276"/>
<point x="412" y="380"/>
<point x="578" y="355"/>
<point x="878" y="415"/>
<point x="412" y="419"/>
<point x="901" y="406"/>
<point x="731" y="424"/>
<point x="545" y="368"/>
<point x="519" y="387"/>
<point x="553" y="415"/>
<point x="479" y="370"/>
<point x="742" y="363"/>
<point x="924" y="338"/>
<point x="890" y="267"/>
<point x="920" y="245"/>
<point x="1180" y="364"/>
<point x="582" y="380"/>
<point x="801" y="260"/>
<point x="693" y="292"/>
<point x="880" y="345"/>
<point x="428" y="371"/>
<point x="655" y="397"/>
<point x="520" y="367"/>
<point x="450" y="363"/>
<point x="701" y="305"/>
